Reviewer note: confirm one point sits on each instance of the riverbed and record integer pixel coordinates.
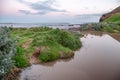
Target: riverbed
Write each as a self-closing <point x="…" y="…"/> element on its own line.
<point x="98" y="59"/>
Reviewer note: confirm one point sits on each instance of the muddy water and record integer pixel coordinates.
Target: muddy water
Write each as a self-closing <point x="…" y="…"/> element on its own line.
<point x="98" y="59"/>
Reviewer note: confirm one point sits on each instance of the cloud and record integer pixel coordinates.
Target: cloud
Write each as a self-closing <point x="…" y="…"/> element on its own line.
<point x="30" y="13"/>
<point x="25" y="11"/>
<point x="42" y="7"/>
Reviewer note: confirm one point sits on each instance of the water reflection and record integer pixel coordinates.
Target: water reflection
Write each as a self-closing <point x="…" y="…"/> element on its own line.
<point x="51" y="64"/>
<point x="97" y="33"/>
<point x="98" y="59"/>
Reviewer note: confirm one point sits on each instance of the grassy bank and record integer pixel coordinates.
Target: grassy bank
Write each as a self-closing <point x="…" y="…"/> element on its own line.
<point x="51" y="44"/>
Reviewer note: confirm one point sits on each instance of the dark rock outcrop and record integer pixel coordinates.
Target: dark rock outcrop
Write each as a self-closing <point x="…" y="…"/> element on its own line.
<point x="107" y="15"/>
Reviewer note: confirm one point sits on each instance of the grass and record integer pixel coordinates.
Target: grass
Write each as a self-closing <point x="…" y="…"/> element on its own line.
<point x="104" y="26"/>
<point x="19" y="59"/>
<point x="108" y="29"/>
<point x="58" y="44"/>
<point x="114" y="19"/>
<point x="49" y="55"/>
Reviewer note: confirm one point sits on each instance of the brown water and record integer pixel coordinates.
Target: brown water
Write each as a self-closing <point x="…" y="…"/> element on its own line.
<point x="98" y="59"/>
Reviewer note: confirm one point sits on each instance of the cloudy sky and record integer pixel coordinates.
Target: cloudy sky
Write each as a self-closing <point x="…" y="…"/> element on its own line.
<point x="54" y="11"/>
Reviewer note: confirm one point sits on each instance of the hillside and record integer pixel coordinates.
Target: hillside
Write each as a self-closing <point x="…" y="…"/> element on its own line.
<point x="114" y="19"/>
<point x="115" y="13"/>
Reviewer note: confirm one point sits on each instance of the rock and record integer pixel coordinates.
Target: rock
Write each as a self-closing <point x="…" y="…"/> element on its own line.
<point x="107" y="15"/>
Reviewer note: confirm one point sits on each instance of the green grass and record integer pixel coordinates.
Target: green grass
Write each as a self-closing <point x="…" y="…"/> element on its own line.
<point x="111" y="24"/>
<point x="66" y="39"/>
<point x="108" y="29"/>
<point x="59" y="44"/>
<point x="49" y="55"/>
<point x="114" y="19"/>
<point x="103" y="26"/>
<point x="19" y="59"/>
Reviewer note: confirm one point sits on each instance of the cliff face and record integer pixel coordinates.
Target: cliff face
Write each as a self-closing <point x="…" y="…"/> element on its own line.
<point x="107" y="15"/>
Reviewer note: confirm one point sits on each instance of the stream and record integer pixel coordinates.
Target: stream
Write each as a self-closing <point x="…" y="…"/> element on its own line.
<point x="98" y="59"/>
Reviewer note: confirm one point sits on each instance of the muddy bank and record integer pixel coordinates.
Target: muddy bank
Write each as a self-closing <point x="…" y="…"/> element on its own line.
<point x="13" y="74"/>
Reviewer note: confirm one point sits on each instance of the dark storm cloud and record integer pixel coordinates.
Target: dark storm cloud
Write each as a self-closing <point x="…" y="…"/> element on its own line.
<point x="42" y="7"/>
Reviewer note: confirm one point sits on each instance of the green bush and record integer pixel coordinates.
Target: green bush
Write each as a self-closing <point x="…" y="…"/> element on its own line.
<point x="7" y="51"/>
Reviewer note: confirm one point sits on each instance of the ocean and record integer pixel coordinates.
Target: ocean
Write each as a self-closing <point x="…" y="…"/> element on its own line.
<point x="81" y="19"/>
<point x="51" y="25"/>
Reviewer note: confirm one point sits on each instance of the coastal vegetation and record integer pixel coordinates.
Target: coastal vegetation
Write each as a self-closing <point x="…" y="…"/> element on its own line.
<point x="45" y="43"/>
<point x="7" y="51"/>
<point x="109" y="22"/>
<point x="18" y="45"/>
<point x="102" y="26"/>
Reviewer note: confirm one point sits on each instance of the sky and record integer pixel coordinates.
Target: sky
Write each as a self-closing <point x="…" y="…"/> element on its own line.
<point x="54" y="11"/>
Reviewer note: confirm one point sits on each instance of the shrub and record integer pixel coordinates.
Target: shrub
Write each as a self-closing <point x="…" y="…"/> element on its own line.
<point x="7" y="51"/>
